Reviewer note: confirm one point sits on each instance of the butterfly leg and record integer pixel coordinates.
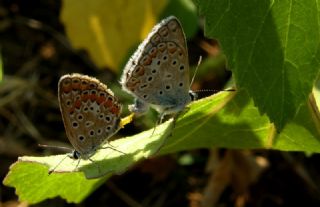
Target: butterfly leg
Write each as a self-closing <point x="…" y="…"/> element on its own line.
<point x="113" y="148"/>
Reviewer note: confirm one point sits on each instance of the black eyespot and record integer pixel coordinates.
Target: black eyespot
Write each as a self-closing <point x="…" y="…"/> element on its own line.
<point x="93" y="92"/>
<point x="180" y="84"/>
<point x="85" y="109"/>
<point x="99" y="131"/>
<point x="169" y="76"/>
<point x="153" y="71"/>
<point x="143" y="86"/>
<point x="174" y="62"/>
<point x="168" y="87"/>
<point x="80" y="117"/>
<point x="110" y="98"/>
<point x="160" y="92"/>
<point x="91" y="108"/>
<point x="75" y="81"/>
<point x="150" y="78"/>
<point x="84" y="82"/>
<point x="159" y="62"/>
<point x="108" y="118"/>
<point x="181" y="67"/>
<point x="81" y="138"/>
<point x="92" y="85"/>
<point x="164" y="57"/>
<point x="75" y="124"/>
<point x="91" y="132"/>
<point x="85" y="92"/>
<point x="145" y="96"/>
<point x="101" y="116"/>
<point x="108" y="128"/>
<point x="68" y="103"/>
<point x="88" y="123"/>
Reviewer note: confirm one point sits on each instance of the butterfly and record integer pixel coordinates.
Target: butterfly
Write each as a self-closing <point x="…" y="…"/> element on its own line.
<point x="90" y="113"/>
<point x="157" y="74"/>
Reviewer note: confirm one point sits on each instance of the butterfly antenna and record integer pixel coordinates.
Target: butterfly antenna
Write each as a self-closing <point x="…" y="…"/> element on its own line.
<point x="195" y="72"/>
<point x="55" y="147"/>
<point x="213" y="90"/>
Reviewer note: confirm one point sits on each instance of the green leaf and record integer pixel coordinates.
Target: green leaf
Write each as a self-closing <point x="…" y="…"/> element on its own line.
<point x="272" y="48"/>
<point x="227" y="119"/>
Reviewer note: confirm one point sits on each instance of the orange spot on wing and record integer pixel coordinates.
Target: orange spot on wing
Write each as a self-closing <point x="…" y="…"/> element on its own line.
<point x="77" y="104"/>
<point x="115" y="109"/>
<point x="108" y="103"/>
<point x="66" y="89"/>
<point x="85" y="97"/>
<point x="93" y="97"/>
<point x="76" y="86"/>
<point x="101" y="99"/>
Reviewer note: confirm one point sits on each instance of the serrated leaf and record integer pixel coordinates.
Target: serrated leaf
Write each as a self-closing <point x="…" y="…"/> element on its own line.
<point x="227" y="119"/>
<point x="272" y="48"/>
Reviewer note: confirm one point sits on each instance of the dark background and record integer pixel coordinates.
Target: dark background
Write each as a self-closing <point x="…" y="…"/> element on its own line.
<point x="34" y="58"/>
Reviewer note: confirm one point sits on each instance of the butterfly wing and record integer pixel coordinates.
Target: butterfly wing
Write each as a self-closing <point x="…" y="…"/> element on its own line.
<point x="158" y="72"/>
<point x="90" y="112"/>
